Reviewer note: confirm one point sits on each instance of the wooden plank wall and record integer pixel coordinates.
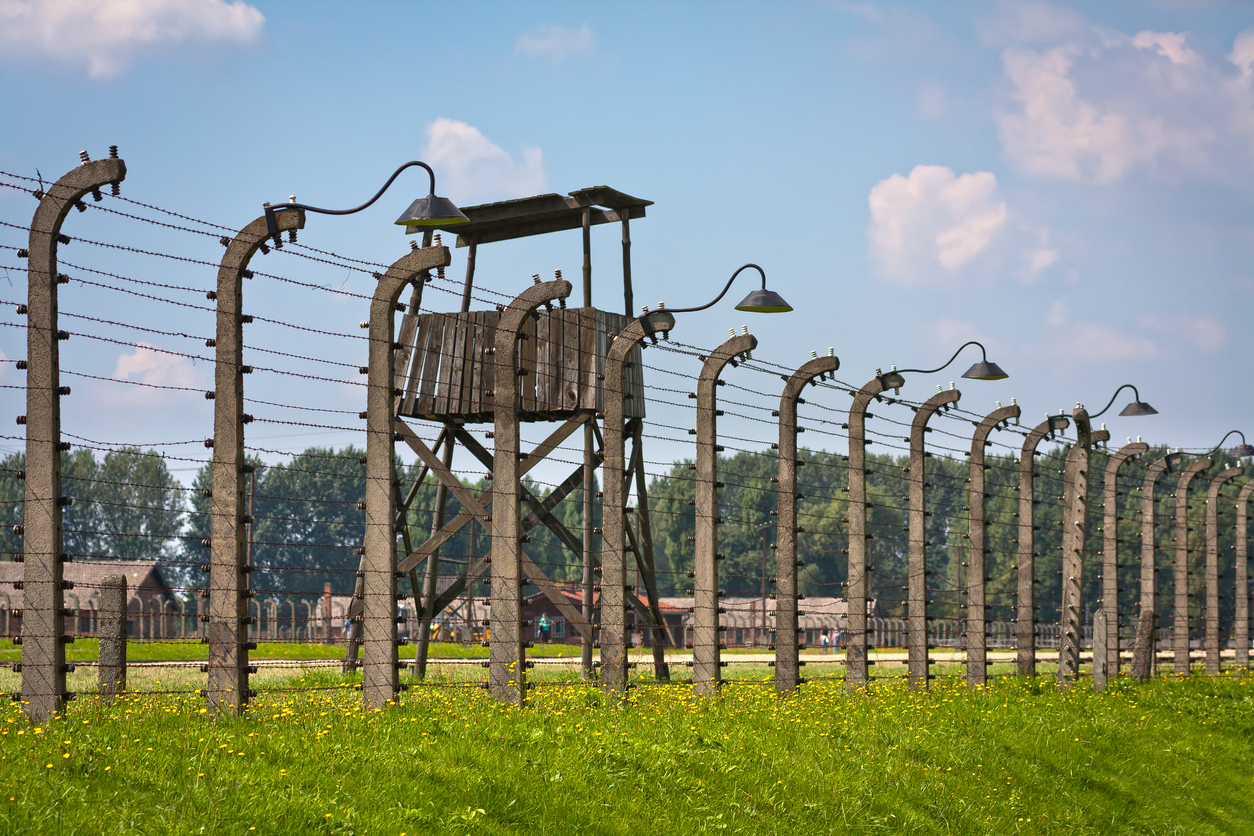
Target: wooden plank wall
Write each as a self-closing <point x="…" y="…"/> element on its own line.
<point x="563" y="357"/>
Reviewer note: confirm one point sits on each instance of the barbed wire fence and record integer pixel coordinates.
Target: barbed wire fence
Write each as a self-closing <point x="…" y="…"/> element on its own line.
<point x="304" y="510"/>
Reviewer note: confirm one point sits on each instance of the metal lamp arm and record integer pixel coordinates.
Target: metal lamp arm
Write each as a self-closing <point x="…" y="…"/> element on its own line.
<point x="1215" y="449"/>
<point x="726" y="288"/>
<point x="272" y="229"/>
<point x="983" y="355"/>
<point x="1135" y="394"/>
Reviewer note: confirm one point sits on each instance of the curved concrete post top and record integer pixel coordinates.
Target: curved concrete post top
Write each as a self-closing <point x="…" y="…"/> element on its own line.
<point x="1219" y="480"/>
<point x="61" y="196"/>
<point x="521" y="306"/>
<point x="1122" y="455"/>
<point x="1155" y="470"/>
<point x="714" y="364"/>
<point x="1046" y="429"/>
<point x="808" y="371"/>
<point x="871" y="391"/>
<point x="248" y="240"/>
<point x="1192" y="470"/>
<point x="388" y="289"/>
<point x="989" y="423"/>
<point x="626" y="339"/>
<point x="929" y="408"/>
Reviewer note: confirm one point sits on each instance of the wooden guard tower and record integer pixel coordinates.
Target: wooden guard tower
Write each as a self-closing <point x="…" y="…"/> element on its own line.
<point x="445" y="372"/>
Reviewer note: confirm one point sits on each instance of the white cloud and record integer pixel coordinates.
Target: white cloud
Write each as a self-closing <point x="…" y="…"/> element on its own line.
<point x="1091" y="341"/>
<point x="1037" y="260"/>
<point x="1103" y="105"/>
<point x="928" y="226"/>
<point x="156" y="368"/>
<point x="1204" y="333"/>
<point x="1170" y="45"/>
<point x="555" y="42"/>
<point x="471" y="167"/>
<point x="1030" y="22"/>
<point x="1059" y="314"/>
<point x="1080" y="340"/>
<point x="1242" y="55"/>
<point x="107" y="34"/>
<point x="945" y="334"/>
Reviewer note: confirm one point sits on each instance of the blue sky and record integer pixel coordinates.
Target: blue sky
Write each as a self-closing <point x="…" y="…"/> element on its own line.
<point x="1070" y="183"/>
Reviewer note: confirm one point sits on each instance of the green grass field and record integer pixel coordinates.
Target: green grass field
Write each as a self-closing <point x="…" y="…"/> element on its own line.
<point x="1021" y="756"/>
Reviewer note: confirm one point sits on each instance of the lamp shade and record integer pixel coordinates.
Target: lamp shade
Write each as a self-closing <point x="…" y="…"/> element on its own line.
<point x="431" y="211"/>
<point x="764" y="301"/>
<point x="1242" y="450"/>
<point x="985" y="370"/>
<point x="1139" y="408"/>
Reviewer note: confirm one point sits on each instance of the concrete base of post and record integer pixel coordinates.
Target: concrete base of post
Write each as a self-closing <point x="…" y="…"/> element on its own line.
<point x="112" y="663"/>
<point x="1143" y="651"/>
<point x="1101" y="665"/>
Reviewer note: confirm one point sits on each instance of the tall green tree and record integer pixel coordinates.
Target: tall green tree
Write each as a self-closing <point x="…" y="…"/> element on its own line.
<point x="127" y="505"/>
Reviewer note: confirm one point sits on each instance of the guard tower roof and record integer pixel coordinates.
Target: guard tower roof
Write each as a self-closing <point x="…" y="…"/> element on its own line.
<point x="543" y="213"/>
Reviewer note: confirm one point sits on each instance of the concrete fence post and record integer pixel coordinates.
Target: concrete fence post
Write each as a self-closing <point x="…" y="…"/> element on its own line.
<point x="787" y="673"/>
<point x="1109" y="602"/>
<point x="613" y="540"/>
<point x="1075" y="489"/>
<point x="1101" y="661"/>
<point x="379" y="678"/>
<point x="1241" y="615"/>
<point x="916" y="636"/>
<point x="707" y="638"/>
<point x="977" y="548"/>
<point x="506" y="659"/>
<point x="1143" y="651"/>
<point x="112" y="661"/>
<point x="1180" y="619"/>
<point x="1025" y="614"/>
<point x="1212" y="567"/>
<point x="229" y="520"/>
<point x="43" y="618"/>
<point x="856" y="662"/>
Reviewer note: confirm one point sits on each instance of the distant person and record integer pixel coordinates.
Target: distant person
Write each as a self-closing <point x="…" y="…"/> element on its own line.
<point x="823" y="640"/>
<point x="544" y="629"/>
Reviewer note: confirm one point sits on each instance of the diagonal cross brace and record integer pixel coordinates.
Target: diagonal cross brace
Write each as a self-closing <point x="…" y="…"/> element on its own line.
<point x="484" y="499"/>
<point x="468" y="500"/>
<point x="458" y="522"/>
<point x="539" y="511"/>
<point x="480" y="566"/>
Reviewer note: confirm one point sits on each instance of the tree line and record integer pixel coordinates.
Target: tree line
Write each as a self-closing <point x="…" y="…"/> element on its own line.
<point x="308" y="524"/>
